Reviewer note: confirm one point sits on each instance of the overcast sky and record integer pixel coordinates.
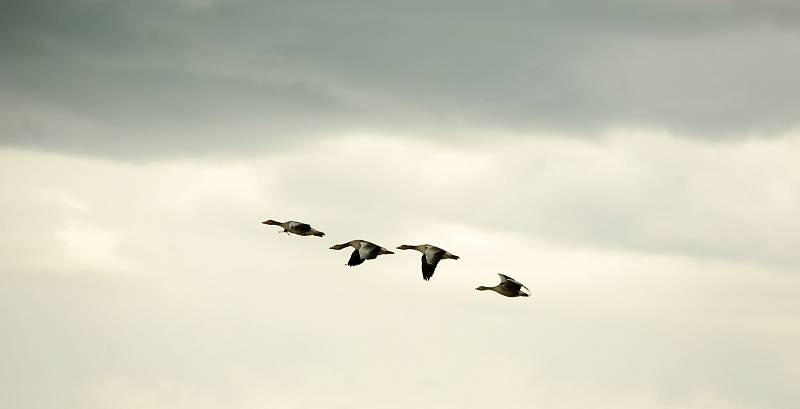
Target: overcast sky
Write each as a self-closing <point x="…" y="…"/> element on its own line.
<point x="635" y="164"/>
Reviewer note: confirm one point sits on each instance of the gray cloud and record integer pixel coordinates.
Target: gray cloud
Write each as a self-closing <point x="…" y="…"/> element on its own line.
<point x="143" y="70"/>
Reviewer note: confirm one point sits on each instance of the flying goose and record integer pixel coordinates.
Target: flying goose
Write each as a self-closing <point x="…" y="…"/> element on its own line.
<point x="508" y="287"/>
<point x="430" y="257"/>
<point x="300" y="229"/>
<point x="364" y="250"/>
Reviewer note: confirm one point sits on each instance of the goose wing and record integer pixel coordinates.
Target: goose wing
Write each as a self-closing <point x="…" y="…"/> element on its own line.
<point x="369" y="251"/>
<point x="355" y="258"/>
<point x="504" y="278"/>
<point x="299" y="227"/>
<point x="430" y="258"/>
<point x="511" y="283"/>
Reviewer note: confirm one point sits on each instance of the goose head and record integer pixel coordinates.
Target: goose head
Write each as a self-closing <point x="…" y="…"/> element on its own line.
<point x="484" y="288"/>
<point x="270" y="221"/>
<point x="406" y="247"/>
<point x="339" y="246"/>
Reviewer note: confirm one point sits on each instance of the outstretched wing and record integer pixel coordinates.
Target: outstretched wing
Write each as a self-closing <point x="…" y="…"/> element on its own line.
<point x="429" y="262"/>
<point x="369" y="251"/>
<point x="511" y="283"/>
<point x="504" y="278"/>
<point x="300" y="227"/>
<point x="355" y="259"/>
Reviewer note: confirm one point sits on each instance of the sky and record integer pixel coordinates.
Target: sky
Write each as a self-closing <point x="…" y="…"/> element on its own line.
<point x="633" y="163"/>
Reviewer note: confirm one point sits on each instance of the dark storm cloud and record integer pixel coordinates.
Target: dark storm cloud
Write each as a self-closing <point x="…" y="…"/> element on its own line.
<point x="287" y="70"/>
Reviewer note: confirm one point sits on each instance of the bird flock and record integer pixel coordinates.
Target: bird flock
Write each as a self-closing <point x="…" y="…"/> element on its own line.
<point x="431" y="256"/>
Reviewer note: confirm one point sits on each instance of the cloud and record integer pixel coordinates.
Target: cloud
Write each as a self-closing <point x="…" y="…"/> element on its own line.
<point x="139" y="71"/>
<point x="217" y="310"/>
<point x="633" y="190"/>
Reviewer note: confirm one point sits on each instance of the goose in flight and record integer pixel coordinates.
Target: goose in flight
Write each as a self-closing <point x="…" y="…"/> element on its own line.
<point x="430" y="257"/>
<point x="364" y="250"/>
<point x="300" y="229"/>
<point x="508" y="287"/>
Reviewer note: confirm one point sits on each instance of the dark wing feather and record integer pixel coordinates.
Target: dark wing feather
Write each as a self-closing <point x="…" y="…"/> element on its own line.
<point x="302" y="227"/>
<point x="355" y="259"/>
<point x="427" y="269"/>
<point x="373" y="252"/>
<point x="512" y="285"/>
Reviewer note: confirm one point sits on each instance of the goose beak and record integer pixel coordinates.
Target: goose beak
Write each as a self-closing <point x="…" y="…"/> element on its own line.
<point x="264" y="223"/>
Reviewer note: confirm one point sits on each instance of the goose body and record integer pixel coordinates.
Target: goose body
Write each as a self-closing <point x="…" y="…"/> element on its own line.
<point x="431" y="255"/>
<point x="363" y="250"/>
<point x="298" y="228"/>
<point x="508" y="287"/>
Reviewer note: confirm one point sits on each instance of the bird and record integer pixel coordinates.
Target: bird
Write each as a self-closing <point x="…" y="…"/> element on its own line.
<point x="430" y="257"/>
<point x="508" y="287"/>
<point x="298" y="228"/>
<point x="364" y="250"/>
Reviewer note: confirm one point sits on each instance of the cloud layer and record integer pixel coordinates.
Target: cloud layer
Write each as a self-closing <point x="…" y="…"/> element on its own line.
<point x="141" y="79"/>
<point x="654" y="286"/>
